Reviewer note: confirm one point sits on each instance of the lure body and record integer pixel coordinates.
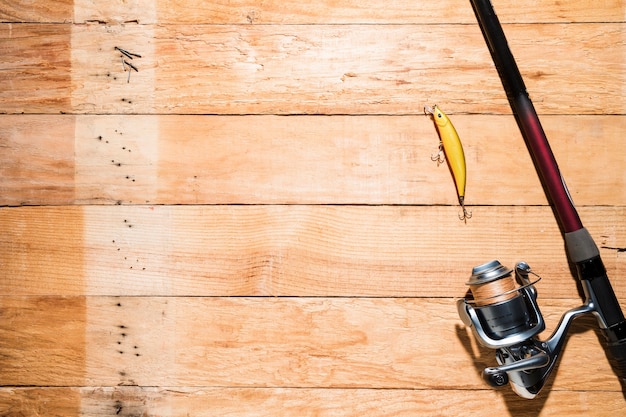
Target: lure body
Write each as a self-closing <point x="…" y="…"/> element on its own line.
<point x="450" y="146"/>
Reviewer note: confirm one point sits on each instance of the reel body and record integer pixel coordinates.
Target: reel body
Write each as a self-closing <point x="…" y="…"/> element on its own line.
<point x="503" y="314"/>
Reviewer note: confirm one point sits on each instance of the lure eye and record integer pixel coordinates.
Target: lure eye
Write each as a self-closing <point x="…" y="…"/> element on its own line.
<point x="439" y="115"/>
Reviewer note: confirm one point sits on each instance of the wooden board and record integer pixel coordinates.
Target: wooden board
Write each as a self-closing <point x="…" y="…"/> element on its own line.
<point x="288" y="11"/>
<point x="287" y="250"/>
<point x="211" y="401"/>
<point x="264" y="342"/>
<point x="57" y="159"/>
<point x="250" y="222"/>
<point x="303" y="69"/>
<point x="35" y="63"/>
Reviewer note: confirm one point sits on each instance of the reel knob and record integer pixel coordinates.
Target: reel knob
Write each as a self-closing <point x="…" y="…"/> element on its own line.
<point x="495" y="377"/>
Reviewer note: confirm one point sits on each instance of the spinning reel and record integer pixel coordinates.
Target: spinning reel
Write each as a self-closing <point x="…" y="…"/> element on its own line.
<point x="503" y="313"/>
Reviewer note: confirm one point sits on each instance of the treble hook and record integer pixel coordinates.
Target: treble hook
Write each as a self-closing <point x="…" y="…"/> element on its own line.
<point x="440" y="156"/>
<point x="466" y="214"/>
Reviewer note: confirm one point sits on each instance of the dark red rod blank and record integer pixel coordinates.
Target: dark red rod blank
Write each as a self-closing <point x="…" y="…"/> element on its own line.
<point x="527" y="118"/>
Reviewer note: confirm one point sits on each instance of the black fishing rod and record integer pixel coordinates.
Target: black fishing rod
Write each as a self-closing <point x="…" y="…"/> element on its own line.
<point x="505" y="316"/>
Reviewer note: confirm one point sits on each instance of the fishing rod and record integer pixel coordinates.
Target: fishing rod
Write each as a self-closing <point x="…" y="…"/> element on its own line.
<point x="501" y="308"/>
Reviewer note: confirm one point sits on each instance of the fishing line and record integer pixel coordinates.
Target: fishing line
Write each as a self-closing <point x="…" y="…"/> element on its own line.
<point x="497" y="291"/>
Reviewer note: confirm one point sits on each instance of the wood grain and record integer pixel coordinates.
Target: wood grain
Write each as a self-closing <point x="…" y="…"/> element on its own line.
<point x="274" y="11"/>
<point x="35" y="68"/>
<point x="287" y="250"/>
<point x="343" y="69"/>
<point x="43" y="249"/>
<point x="266" y="402"/>
<point x="37" y="162"/>
<point x="250" y="223"/>
<point x="56" y="159"/>
<point x="295" y="69"/>
<point x="53" y="402"/>
<point x="44" y="337"/>
<point x="25" y="11"/>
<point x="371" y="11"/>
<point x="264" y="342"/>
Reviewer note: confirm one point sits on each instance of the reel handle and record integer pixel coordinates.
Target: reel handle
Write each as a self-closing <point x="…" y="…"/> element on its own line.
<point x="497" y="376"/>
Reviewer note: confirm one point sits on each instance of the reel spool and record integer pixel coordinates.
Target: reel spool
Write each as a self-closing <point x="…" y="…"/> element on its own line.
<point x="502" y="313"/>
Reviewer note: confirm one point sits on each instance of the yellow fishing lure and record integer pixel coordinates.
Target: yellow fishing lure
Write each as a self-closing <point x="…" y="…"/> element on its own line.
<point x="450" y="150"/>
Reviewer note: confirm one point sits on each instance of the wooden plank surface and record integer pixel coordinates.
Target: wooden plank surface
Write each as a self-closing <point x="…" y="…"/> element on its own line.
<point x="304" y="69"/>
<point x="342" y="69"/>
<point x="287" y="250"/>
<point x="269" y="402"/>
<point x="35" y="68"/>
<point x="56" y="159"/>
<point x="372" y="11"/>
<point x="37" y="162"/>
<point x="193" y="251"/>
<point x="44" y="335"/>
<point x="265" y="342"/>
<point x="49" y="11"/>
<point x="288" y="11"/>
